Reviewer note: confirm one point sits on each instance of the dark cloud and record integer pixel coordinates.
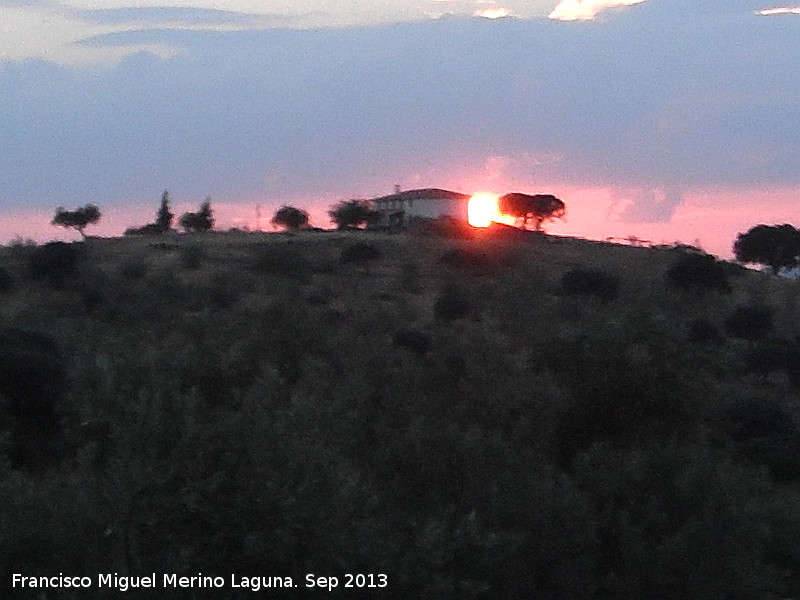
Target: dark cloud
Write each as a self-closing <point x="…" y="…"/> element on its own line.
<point x="652" y="99"/>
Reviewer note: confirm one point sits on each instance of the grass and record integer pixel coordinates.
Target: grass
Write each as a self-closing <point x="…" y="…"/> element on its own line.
<point x="442" y="412"/>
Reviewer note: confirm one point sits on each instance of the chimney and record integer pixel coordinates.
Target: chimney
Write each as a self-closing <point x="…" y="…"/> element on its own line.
<point x="397" y="188"/>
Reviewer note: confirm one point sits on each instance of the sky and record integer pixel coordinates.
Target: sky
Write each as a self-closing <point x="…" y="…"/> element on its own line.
<point x="662" y="119"/>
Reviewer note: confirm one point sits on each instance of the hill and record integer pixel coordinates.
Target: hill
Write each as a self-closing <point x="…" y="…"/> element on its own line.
<point x="485" y="415"/>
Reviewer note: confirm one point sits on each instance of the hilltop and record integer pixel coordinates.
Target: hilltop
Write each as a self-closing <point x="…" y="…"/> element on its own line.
<point x="498" y="415"/>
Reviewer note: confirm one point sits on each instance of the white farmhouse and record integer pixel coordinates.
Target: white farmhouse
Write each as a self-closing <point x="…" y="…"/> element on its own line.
<point x="429" y="203"/>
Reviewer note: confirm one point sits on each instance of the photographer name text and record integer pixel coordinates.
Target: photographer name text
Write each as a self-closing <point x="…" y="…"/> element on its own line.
<point x="123" y="583"/>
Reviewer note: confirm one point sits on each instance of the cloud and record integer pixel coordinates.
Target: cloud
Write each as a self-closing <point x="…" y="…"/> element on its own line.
<point x="574" y="10"/>
<point x="778" y="11"/>
<point x="654" y="103"/>
<point x="493" y="12"/>
<point x="645" y="205"/>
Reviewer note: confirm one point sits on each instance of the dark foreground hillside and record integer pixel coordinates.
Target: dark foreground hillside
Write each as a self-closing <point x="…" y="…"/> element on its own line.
<point x="502" y="417"/>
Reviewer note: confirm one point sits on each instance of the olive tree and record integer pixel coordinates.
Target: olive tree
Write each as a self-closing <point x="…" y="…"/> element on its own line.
<point x="77" y="219"/>
<point x="538" y="208"/>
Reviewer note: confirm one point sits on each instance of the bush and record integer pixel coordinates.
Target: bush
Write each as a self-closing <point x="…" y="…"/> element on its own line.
<point x="699" y="273"/>
<point x="750" y="323"/>
<point x="413" y="341"/>
<point x="279" y="259"/>
<point x="469" y="259"/>
<point x="192" y="256"/>
<point x="133" y="267"/>
<point x="7" y="283"/>
<point x="702" y="331"/>
<point x="56" y="262"/>
<point x="444" y="226"/>
<point x="33" y="382"/>
<point x="452" y="304"/>
<point x="359" y="252"/>
<point x="590" y="282"/>
<point x="764" y="432"/>
<point x="766" y="358"/>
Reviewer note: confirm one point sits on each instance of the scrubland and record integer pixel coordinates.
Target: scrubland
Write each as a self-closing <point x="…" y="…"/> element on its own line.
<point x="488" y="416"/>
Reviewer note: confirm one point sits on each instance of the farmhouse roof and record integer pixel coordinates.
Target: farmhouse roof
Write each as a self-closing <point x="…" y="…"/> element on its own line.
<point x="426" y="193"/>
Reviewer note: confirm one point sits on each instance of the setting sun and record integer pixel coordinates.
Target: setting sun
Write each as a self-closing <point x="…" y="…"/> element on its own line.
<point x="483" y="211"/>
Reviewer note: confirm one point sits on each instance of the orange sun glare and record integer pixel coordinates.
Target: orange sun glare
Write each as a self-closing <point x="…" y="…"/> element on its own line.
<point x="483" y="211"/>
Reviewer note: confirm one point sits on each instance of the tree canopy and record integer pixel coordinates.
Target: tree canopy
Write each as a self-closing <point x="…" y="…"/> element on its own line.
<point x="539" y="208"/>
<point x="351" y="214"/>
<point x="199" y="222"/>
<point x="290" y="218"/>
<point x="164" y="216"/>
<point x="77" y="219"/>
<point x="775" y="246"/>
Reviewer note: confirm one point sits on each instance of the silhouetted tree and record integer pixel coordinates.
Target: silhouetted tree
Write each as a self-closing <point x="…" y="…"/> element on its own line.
<point x="539" y="208"/>
<point x="699" y="273"/>
<point x="775" y="246"/>
<point x="351" y="214"/>
<point x="290" y="218"/>
<point x="199" y="222"/>
<point x="164" y="216"/>
<point x="163" y="222"/>
<point x="77" y="219"/>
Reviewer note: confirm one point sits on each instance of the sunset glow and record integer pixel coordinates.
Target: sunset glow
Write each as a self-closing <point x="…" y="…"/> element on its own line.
<point x="483" y="211"/>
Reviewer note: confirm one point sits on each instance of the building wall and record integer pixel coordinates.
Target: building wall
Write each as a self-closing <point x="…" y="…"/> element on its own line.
<point x="434" y="207"/>
<point x="428" y="208"/>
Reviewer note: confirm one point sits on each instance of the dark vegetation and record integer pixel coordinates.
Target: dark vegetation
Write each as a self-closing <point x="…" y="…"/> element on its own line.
<point x="163" y="222"/>
<point x="290" y="218"/>
<point x="775" y="246"/>
<point x="699" y="273"/>
<point x="200" y="221"/>
<point x="487" y="418"/>
<point x="353" y="214"/>
<point x="359" y="252"/>
<point x="537" y="208"/>
<point x="582" y="281"/>
<point x="77" y="219"/>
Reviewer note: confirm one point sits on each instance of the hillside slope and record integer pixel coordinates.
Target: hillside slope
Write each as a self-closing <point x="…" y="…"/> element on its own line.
<point x="507" y="416"/>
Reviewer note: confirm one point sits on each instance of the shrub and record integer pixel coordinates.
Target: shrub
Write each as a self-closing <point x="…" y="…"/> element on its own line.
<point x="469" y="259"/>
<point x="192" y="256"/>
<point x="444" y="226"/>
<point x="590" y="282"/>
<point x="413" y="341"/>
<point x="199" y="222"/>
<point x="133" y="267"/>
<point x="750" y="322"/>
<point x="699" y="273"/>
<point x="766" y="358"/>
<point x="222" y="290"/>
<point x="702" y="331"/>
<point x="33" y="382"/>
<point x="359" y="252"/>
<point x="56" y="262"/>
<point x="19" y="244"/>
<point x="764" y="432"/>
<point x="7" y="283"/>
<point x="280" y="259"/>
<point x="452" y="304"/>
<point x="290" y="218"/>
